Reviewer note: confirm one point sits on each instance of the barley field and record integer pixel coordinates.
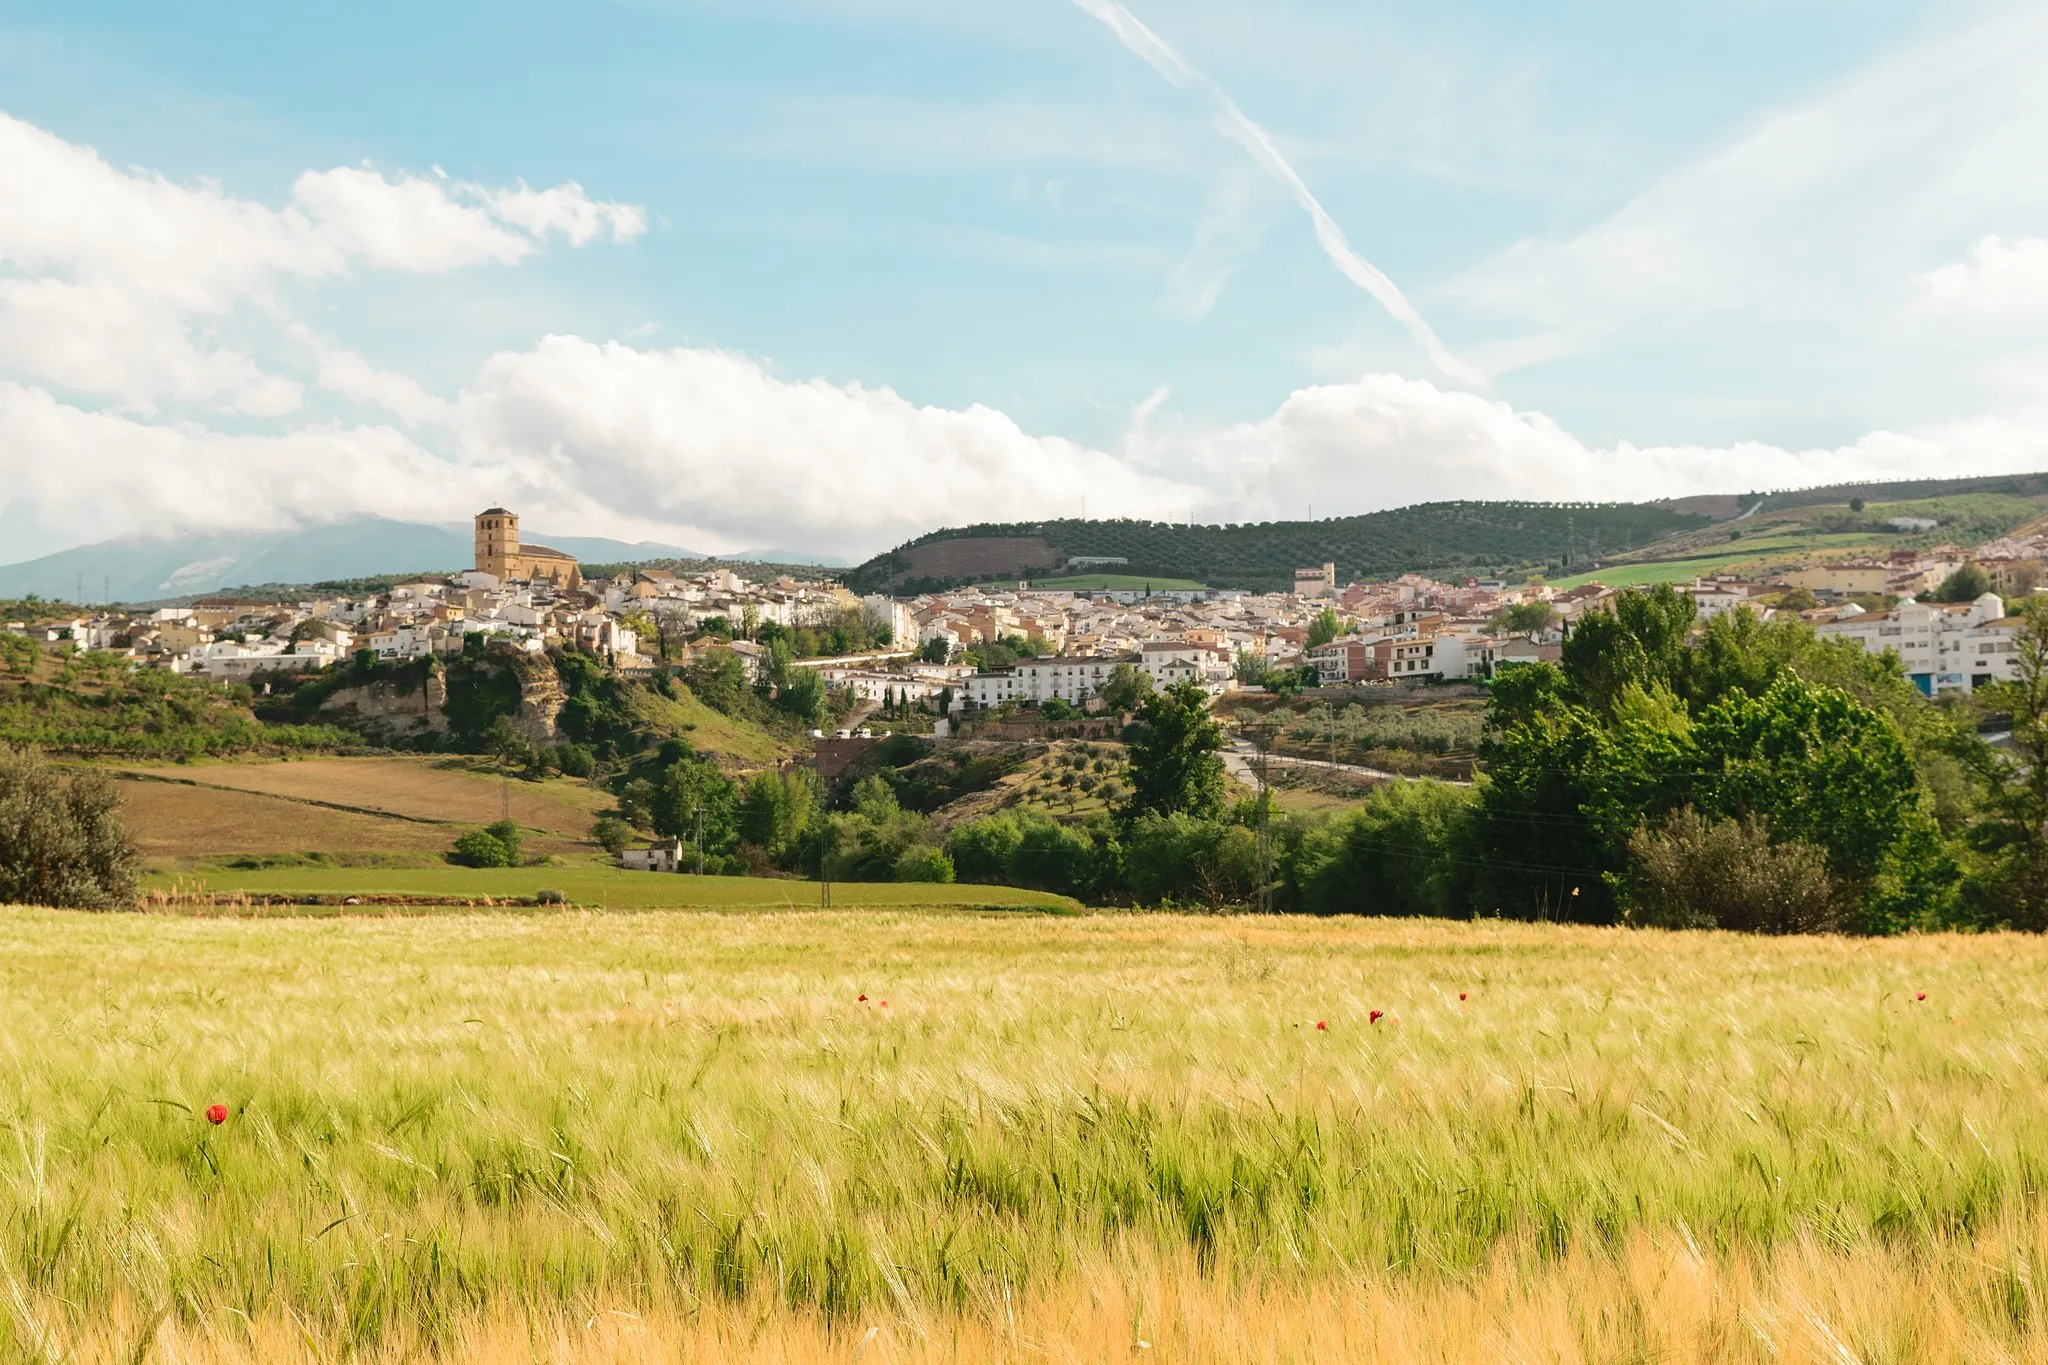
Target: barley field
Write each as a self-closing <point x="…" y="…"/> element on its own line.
<point x="686" y="1137"/>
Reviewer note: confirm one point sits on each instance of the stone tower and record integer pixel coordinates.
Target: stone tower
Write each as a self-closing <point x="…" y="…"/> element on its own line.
<point x="497" y="541"/>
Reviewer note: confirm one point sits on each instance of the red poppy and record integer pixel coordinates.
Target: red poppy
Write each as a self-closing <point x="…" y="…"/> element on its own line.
<point x="1921" y="996"/>
<point x="1374" y="1017"/>
<point x="1461" y="995"/>
<point x="863" y="995"/>
<point x="1322" y="1024"/>
<point x="885" y="1004"/>
<point x="216" y="1113"/>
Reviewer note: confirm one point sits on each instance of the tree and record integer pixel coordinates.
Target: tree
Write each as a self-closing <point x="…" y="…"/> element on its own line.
<point x="62" y="843"/>
<point x="1405" y="851"/>
<point x="1640" y="639"/>
<point x="1126" y="689"/>
<point x="719" y="679"/>
<point x="779" y="810"/>
<point x="1523" y="618"/>
<point x="1173" y="746"/>
<point x="1323" y="629"/>
<point x="693" y="795"/>
<point x="611" y="834"/>
<point x="497" y="844"/>
<point x="936" y="650"/>
<point x="2011" y="833"/>
<point x="1856" y="505"/>
<point x="1966" y="584"/>
<point x="1694" y="873"/>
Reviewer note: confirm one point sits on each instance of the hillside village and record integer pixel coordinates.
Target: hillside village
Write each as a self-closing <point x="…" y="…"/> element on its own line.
<point x="982" y="648"/>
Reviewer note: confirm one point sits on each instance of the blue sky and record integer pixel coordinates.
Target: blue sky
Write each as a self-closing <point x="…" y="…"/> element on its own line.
<point x="875" y="265"/>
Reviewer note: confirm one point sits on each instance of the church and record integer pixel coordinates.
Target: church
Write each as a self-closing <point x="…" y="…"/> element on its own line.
<point x="499" y="554"/>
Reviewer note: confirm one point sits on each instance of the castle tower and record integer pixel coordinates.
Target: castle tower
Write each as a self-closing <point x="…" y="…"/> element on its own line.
<point x="497" y="541"/>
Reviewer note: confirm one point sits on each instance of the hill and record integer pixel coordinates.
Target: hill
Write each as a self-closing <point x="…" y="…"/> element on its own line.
<point x="1463" y="538"/>
<point x="142" y="569"/>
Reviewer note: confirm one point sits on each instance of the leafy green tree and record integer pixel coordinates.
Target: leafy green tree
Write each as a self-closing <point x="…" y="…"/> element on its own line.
<point x="719" y="679"/>
<point x="936" y="651"/>
<point x="692" y="794"/>
<point x="1966" y="584"/>
<point x="2009" y="885"/>
<point x="924" y="864"/>
<point x="1640" y="639"/>
<point x="611" y="834"/>
<point x="1126" y="688"/>
<point x="779" y="811"/>
<point x="1405" y="851"/>
<point x="1181" y="860"/>
<point x="495" y="845"/>
<point x="1523" y="618"/>
<point x="804" y="696"/>
<point x="1173" y="746"/>
<point x="62" y="843"/>
<point x="1324" y="628"/>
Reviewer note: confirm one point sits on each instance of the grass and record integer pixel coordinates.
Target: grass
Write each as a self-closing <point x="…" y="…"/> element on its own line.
<point x="710" y="731"/>
<point x="454" y="791"/>
<point x="1115" y="582"/>
<point x="683" y="1137"/>
<point x="588" y="886"/>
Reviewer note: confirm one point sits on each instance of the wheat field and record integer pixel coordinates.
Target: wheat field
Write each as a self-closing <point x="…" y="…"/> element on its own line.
<point x="670" y="1137"/>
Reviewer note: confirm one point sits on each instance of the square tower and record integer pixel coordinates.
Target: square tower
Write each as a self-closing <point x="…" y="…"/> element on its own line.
<point x="497" y="541"/>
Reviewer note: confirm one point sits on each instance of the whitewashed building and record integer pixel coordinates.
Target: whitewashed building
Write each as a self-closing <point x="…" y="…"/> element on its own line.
<point x="1943" y="647"/>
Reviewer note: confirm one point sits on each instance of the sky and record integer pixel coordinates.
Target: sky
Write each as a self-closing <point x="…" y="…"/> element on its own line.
<point x="828" y="274"/>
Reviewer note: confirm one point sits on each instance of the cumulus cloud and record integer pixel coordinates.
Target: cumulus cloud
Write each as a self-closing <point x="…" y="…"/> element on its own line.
<point x="1997" y="277"/>
<point x="1386" y="441"/>
<point x="567" y="210"/>
<point x="111" y="280"/>
<point x="715" y="443"/>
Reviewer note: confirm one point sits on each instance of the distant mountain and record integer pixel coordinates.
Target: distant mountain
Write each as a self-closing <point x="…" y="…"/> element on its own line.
<point x="138" y="569"/>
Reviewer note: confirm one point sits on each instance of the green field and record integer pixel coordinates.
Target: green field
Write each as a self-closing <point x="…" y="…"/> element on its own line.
<point x="587" y="887"/>
<point x="1111" y="582"/>
<point x="1740" y="555"/>
<point x="592" y="1138"/>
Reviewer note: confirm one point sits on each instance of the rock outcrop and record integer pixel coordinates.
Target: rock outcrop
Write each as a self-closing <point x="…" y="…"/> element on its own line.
<point x="391" y="710"/>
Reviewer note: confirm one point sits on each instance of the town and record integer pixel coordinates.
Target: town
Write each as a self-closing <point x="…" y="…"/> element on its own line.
<point x="1009" y="647"/>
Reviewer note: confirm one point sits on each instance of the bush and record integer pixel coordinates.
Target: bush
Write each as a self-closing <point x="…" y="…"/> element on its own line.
<point x="1181" y="860"/>
<point x="924" y="865"/>
<point x="1692" y="873"/>
<point x="550" y="897"/>
<point x="61" y="844"/>
<point x="611" y="834"/>
<point x="495" y="845"/>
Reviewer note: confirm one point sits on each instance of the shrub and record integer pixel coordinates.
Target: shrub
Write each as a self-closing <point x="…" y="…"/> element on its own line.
<point x="495" y="845"/>
<point x="925" y="864"/>
<point x="1692" y="873"/>
<point x="550" y="897"/>
<point x="611" y="834"/>
<point x="61" y="844"/>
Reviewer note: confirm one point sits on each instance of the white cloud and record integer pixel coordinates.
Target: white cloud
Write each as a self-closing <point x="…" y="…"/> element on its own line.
<point x="715" y="445"/>
<point x="1387" y="441"/>
<point x="568" y="210"/>
<point x="1819" y="213"/>
<point x="1997" y="277"/>
<point x="114" y="282"/>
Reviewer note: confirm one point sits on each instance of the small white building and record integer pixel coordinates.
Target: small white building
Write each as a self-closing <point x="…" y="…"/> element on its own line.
<point x="663" y="855"/>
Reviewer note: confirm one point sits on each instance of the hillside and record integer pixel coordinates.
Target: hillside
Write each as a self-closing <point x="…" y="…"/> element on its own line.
<point x="1463" y="538"/>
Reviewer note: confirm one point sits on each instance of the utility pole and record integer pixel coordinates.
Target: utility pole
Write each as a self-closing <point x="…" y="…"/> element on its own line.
<point x="825" y="869"/>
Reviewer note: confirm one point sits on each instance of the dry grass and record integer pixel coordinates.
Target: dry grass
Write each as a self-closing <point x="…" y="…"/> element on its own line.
<point x="421" y="788"/>
<point x="172" y="820"/>
<point x="682" y="1137"/>
<point x="1659" y="1299"/>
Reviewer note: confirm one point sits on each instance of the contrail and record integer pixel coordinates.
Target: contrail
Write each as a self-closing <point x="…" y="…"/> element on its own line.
<point x="1233" y="120"/>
